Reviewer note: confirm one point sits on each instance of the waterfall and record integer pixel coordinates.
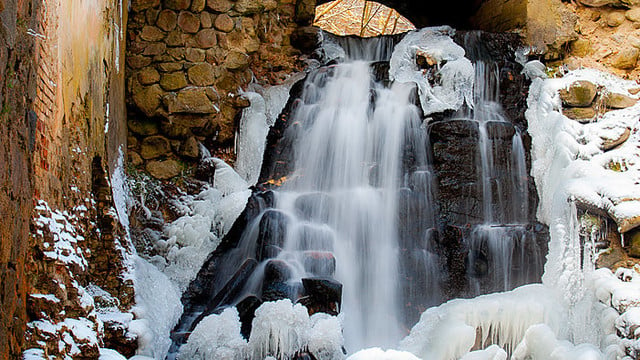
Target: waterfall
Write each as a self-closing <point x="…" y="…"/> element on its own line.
<point x="347" y="199"/>
<point x="498" y="246"/>
<point x="346" y="179"/>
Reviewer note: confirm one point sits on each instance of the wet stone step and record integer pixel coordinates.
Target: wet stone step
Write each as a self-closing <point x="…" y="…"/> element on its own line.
<point x="314" y="206"/>
<point x="272" y="233"/>
<point x="319" y="263"/>
<point x="322" y="294"/>
<point x="314" y="237"/>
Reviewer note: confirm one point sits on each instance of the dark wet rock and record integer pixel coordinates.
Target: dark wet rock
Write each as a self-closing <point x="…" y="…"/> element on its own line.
<point x="271" y="235"/>
<point x="306" y="38"/>
<point x="276" y="271"/>
<point x="380" y="70"/>
<point x="278" y="155"/>
<point x="312" y="237"/>
<point x="206" y="170"/>
<point x="319" y="263"/>
<point x="305" y="355"/>
<point x="322" y="295"/>
<point x="314" y="206"/>
<point x="452" y="241"/>
<point x="277" y="291"/>
<point x="247" y="310"/>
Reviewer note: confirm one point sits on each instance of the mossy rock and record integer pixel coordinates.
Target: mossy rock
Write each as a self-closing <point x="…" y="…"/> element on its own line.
<point x="579" y="94"/>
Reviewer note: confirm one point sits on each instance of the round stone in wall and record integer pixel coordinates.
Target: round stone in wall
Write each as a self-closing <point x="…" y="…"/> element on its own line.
<point x="164" y="169"/>
<point x="188" y="22"/>
<point x="224" y="23"/>
<point x="167" y="20"/>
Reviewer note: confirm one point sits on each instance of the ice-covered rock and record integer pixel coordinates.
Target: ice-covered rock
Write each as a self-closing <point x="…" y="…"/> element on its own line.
<point x="216" y="337"/>
<point x="449" y="331"/>
<point x="379" y="354"/>
<point x="456" y="72"/>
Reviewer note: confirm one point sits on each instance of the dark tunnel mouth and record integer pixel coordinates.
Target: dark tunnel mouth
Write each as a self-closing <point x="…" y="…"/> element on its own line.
<point x="455" y="13"/>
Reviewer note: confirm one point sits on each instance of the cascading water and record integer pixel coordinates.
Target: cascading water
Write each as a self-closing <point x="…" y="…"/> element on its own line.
<point x="498" y="246"/>
<point x="354" y="208"/>
<point x="348" y="156"/>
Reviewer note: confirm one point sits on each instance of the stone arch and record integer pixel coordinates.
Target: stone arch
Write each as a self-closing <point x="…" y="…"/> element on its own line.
<point x="431" y="13"/>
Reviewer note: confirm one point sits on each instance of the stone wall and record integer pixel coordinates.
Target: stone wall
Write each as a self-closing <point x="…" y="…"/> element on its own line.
<point x="62" y="96"/>
<point x="17" y="130"/>
<point x="187" y="61"/>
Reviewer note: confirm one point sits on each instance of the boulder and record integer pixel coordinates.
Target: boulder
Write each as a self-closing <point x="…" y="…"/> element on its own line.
<point x="138" y="61"/>
<point x="139" y="5"/>
<point x="236" y="60"/>
<point x="195" y="55"/>
<point x="319" y="263"/>
<point x="202" y="74"/>
<point x="188" y="22"/>
<point x="246" y="310"/>
<point x="277" y="271"/>
<point x="248" y="7"/>
<point x="206" y="20"/>
<point x="581" y="47"/>
<point x="155" y="48"/>
<point x="580" y="93"/>
<point x="177" y="4"/>
<point x="148" y="76"/>
<point x="618" y="101"/>
<point x="626" y="59"/>
<point x="633" y="237"/>
<point x="609" y="143"/>
<point x="305" y="11"/>
<point x="189" y="148"/>
<point x="323" y="295"/>
<point x="164" y="169"/>
<point x="224" y="23"/>
<point x="306" y="38"/>
<point x="220" y="6"/>
<point x="272" y="232"/>
<point x="189" y="100"/>
<point x="206" y="38"/>
<point x="154" y="146"/>
<point x="143" y="126"/>
<point x="583" y="115"/>
<point x="615" y="18"/>
<point x="633" y="14"/>
<point x="151" y="33"/>
<point x="173" y="81"/>
<point x="167" y="20"/>
<point x="176" y="53"/>
<point x="148" y="99"/>
<point x="133" y="158"/>
<point x="170" y="66"/>
<point x="175" y="37"/>
<point x="198" y="5"/>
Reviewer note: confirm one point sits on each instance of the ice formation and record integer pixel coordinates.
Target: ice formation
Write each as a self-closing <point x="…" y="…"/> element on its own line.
<point x="216" y="337"/>
<point x="456" y="72"/>
<point x="280" y="329"/>
<point x="379" y="354"/>
<point x="252" y="135"/>
<point x="449" y="331"/>
<point x="158" y="308"/>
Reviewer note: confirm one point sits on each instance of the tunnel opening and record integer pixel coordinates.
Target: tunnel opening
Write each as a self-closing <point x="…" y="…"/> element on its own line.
<point x="385" y="17"/>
